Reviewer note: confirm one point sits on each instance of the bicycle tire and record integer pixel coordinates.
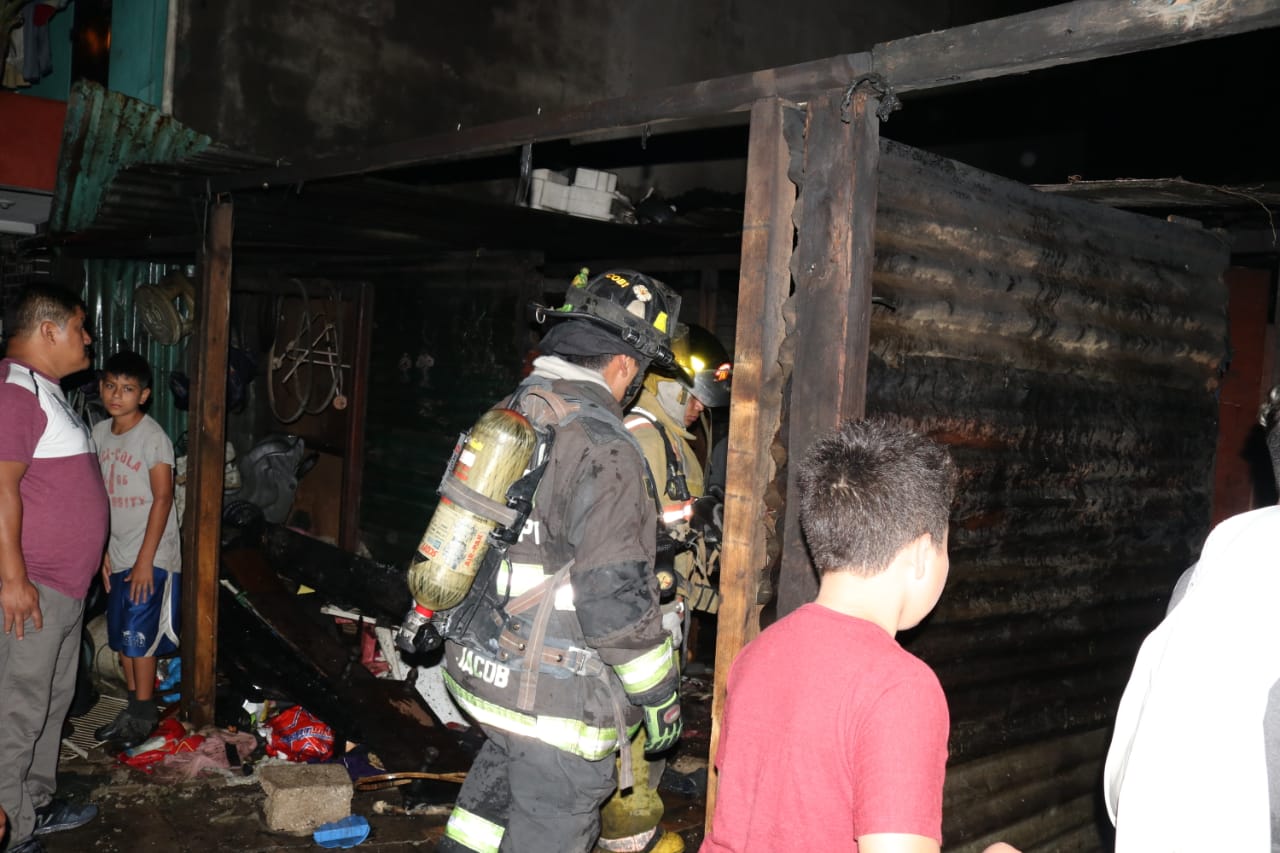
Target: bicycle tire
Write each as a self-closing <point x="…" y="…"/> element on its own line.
<point x="334" y="383"/>
<point x="285" y="371"/>
<point x="330" y="385"/>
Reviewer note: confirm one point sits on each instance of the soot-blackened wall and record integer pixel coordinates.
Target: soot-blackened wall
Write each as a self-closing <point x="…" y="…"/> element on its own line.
<point x="1069" y="356"/>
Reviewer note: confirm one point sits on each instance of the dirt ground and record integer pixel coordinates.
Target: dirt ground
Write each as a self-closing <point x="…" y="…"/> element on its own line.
<point x="139" y="814"/>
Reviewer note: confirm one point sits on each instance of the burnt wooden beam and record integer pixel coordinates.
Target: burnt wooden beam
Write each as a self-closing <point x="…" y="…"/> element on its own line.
<point x="279" y="641"/>
<point x="207" y="436"/>
<point x="1061" y="35"/>
<point x="756" y="411"/>
<point x="376" y="590"/>
<point x="357" y="406"/>
<point x="832" y="269"/>
<point x="713" y="97"/>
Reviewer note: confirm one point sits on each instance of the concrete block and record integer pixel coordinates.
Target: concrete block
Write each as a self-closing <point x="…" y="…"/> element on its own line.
<point x="301" y="797"/>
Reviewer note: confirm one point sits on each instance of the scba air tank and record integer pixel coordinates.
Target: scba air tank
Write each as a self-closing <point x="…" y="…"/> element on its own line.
<point x="489" y="458"/>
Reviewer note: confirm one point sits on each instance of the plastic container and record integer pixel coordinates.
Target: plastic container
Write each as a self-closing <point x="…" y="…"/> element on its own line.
<point x="348" y="832"/>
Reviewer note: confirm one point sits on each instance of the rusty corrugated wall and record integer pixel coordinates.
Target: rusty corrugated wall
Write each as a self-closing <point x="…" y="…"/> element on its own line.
<point x="1068" y="354"/>
<point x="108" y="293"/>
<point x="106" y="132"/>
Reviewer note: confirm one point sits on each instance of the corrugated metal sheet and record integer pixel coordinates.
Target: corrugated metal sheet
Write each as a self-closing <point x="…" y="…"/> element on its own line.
<point x="1069" y="355"/>
<point x="106" y="132"/>
<point x="108" y="293"/>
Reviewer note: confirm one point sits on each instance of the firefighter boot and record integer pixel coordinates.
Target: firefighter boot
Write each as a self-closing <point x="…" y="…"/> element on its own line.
<point x="638" y="812"/>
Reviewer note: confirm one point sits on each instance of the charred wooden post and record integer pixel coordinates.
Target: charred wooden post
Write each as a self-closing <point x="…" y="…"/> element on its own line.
<point x="205" y="465"/>
<point x="832" y="268"/>
<point x="755" y="414"/>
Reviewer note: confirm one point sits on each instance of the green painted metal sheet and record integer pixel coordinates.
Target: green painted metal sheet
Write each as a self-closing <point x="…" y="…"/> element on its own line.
<point x="108" y="293"/>
<point x="105" y="133"/>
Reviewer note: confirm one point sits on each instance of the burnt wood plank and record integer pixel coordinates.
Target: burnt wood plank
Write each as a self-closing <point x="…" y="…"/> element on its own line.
<point x="205" y="466"/>
<point x="1061" y="35"/>
<point x="718" y="96"/>
<point x="832" y="269"/>
<point x="755" y="411"/>
<point x="278" y="640"/>
<point x="377" y="590"/>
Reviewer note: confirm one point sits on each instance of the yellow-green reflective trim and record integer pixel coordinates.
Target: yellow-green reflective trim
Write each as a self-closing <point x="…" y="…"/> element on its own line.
<point x="523" y="577"/>
<point x="473" y="832"/>
<point x="648" y="670"/>
<point x="575" y="736"/>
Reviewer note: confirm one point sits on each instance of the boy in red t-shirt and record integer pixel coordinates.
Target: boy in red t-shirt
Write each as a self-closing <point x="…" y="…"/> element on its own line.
<point x="834" y="737"/>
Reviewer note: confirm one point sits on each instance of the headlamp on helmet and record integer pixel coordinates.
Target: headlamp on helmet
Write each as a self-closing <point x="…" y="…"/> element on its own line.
<point x="705" y="365"/>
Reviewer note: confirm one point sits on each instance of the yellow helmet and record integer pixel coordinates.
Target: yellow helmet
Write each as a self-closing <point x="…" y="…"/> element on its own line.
<point x="704" y="368"/>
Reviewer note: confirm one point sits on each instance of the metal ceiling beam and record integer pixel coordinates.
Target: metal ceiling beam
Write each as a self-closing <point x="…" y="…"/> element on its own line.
<point x="1061" y="35"/>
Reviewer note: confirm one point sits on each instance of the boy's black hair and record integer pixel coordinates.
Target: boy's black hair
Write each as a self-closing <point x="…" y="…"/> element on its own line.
<point x="129" y="365"/>
<point x="39" y="302"/>
<point x="868" y="490"/>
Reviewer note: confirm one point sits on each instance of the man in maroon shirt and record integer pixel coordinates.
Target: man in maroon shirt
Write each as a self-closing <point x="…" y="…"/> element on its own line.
<point x="53" y="525"/>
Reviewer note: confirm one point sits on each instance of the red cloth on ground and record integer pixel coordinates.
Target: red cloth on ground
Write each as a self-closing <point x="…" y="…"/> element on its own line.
<point x="831" y="731"/>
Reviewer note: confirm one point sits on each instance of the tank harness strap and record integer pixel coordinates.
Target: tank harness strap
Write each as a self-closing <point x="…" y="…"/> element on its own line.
<point x="537" y="635"/>
<point x="543" y="597"/>
<point x="576" y="660"/>
<point x="561" y="410"/>
<point x="481" y="505"/>
<point x="677" y="486"/>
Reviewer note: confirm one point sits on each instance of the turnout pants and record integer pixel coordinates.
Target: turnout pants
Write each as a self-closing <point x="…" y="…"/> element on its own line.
<point x="37" y="681"/>
<point x="523" y="796"/>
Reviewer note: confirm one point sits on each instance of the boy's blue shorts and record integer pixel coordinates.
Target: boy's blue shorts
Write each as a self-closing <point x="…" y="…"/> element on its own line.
<point x="148" y="629"/>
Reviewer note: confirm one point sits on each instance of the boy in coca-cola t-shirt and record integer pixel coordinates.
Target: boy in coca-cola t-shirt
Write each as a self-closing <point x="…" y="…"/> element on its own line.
<point x="834" y="737"/>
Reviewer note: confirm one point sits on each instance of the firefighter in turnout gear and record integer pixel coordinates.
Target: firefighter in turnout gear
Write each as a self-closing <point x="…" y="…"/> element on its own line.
<point x="659" y="420"/>
<point x="558" y="649"/>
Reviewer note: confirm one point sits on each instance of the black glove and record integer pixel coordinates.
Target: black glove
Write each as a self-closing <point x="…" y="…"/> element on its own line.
<point x="708" y="519"/>
<point x="663" y="724"/>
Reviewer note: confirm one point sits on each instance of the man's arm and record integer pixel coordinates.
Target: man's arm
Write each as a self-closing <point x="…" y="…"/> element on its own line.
<point x="19" y="599"/>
